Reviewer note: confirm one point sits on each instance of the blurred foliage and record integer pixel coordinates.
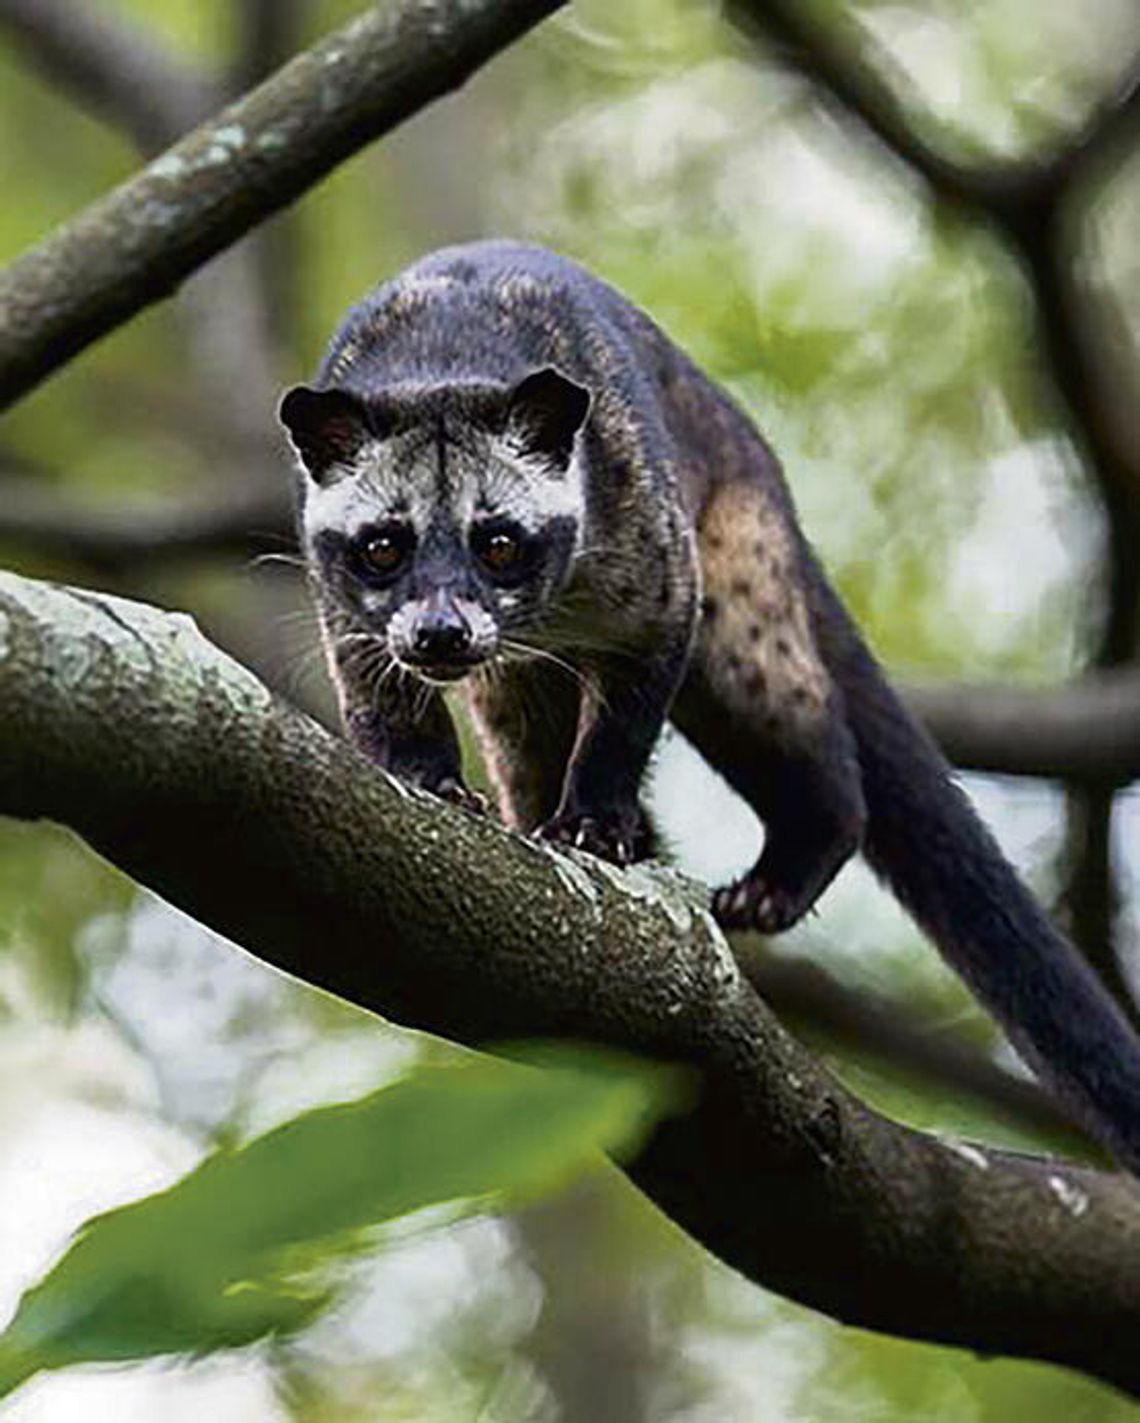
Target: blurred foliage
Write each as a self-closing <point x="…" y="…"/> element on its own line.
<point x="240" y="1249"/>
<point x="50" y="887"/>
<point x="889" y="354"/>
<point x="985" y="81"/>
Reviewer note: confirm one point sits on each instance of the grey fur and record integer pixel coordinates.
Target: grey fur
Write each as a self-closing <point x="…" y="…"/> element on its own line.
<point x="667" y="575"/>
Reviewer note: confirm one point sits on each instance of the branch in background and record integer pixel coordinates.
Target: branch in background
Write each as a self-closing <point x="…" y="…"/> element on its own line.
<point x="1111" y="443"/>
<point x="150" y="405"/>
<point x="230" y="344"/>
<point x="128" y="541"/>
<point x="136" y="244"/>
<point x="597" y="1343"/>
<point x="867" y="1022"/>
<point x="1031" y="204"/>
<point x="119" y="72"/>
<point x="1086" y="730"/>
<point x="112" y="68"/>
<point x="269" y="33"/>
<point x="174" y="763"/>
<point x="1028" y="203"/>
<point x="831" y="56"/>
<point x="1089" y="901"/>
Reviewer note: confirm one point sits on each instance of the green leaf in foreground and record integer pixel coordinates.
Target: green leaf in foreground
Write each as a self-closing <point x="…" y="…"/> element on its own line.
<point x="231" y="1253"/>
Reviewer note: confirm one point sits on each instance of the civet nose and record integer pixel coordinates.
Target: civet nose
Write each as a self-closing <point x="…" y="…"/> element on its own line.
<point x="442" y="636"/>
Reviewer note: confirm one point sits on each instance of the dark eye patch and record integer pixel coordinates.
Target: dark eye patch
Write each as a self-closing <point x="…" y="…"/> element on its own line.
<point x="380" y="552"/>
<point x="504" y="550"/>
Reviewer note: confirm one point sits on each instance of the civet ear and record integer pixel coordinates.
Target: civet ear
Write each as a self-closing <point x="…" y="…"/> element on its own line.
<point x="326" y="427"/>
<point x="544" y="413"/>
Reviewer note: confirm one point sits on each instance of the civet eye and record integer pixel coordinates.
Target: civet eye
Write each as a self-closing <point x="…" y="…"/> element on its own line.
<point x="383" y="551"/>
<point x="499" y="549"/>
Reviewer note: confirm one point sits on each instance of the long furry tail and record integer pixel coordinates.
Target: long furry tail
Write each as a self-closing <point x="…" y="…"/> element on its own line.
<point x="925" y="840"/>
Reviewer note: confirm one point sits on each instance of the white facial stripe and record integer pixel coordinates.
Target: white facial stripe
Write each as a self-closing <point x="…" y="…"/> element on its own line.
<point x="404" y="475"/>
<point x="381" y="479"/>
<point x="340" y="506"/>
<point x="527" y="490"/>
<point x="428" y="283"/>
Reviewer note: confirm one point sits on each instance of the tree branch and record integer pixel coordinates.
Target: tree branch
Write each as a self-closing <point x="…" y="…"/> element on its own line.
<point x="1028" y="203"/>
<point x="120" y="73"/>
<point x="112" y="68"/>
<point x="1087" y="729"/>
<point x="136" y="244"/>
<point x="269" y="33"/>
<point x="1089" y="902"/>
<point x="829" y="55"/>
<point x="128" y="540"/>
<point x="176" y="764"/>
<point x="868" y="1022"/>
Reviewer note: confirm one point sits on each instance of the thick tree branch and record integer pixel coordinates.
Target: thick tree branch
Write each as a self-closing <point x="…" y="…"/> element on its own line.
<point x="1086" y="730"/>
<point x="124" y="724"/>
<point x="136" y="244"/>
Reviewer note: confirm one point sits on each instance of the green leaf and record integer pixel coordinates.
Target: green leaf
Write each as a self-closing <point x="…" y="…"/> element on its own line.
<point x="234" y="1251"/>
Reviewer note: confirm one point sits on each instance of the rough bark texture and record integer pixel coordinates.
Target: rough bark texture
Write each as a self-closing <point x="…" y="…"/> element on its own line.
<point x="136" y="244"/>
<point x="174" y="762"/>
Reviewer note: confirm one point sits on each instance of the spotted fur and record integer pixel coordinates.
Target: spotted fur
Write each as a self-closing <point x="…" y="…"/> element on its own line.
<point x="669" y="577"/>
<point x="756" y="640"/>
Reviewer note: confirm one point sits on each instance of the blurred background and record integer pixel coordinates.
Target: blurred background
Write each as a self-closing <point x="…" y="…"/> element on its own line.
<point x="903" y="235"/>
